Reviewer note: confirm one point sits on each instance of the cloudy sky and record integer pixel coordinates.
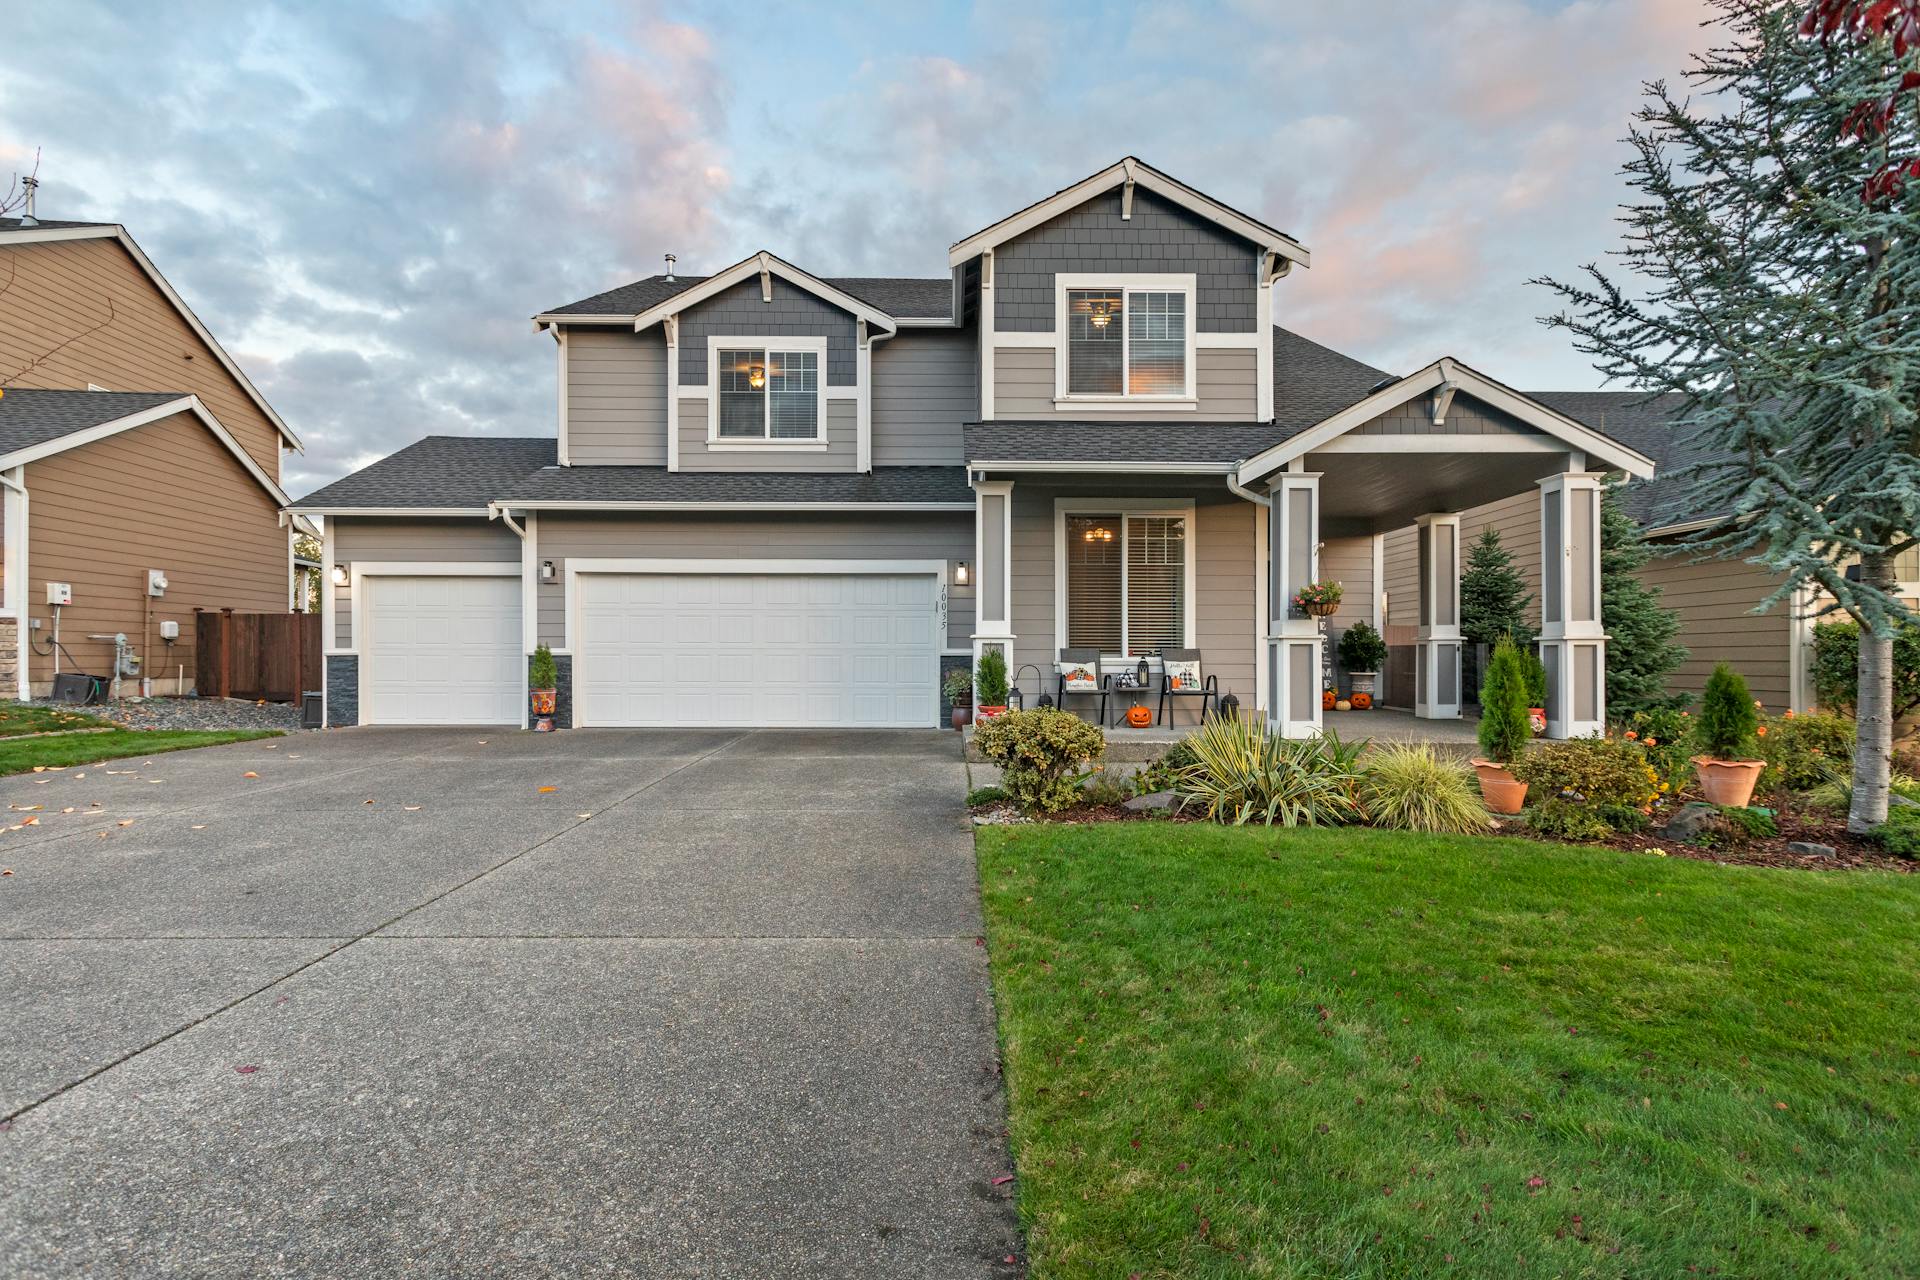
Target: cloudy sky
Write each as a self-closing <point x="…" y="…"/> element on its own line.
<point x="366" y="201"/>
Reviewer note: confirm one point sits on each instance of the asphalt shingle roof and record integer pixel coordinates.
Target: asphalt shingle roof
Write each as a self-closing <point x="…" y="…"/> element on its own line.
<point x="29" y="417"/>
<point x="903" y="297"/>
<point x="657" y="484"/>
<point x="51" y="224"/>
<point x="438" y="471"/>
<point x="1648" y="426"/>
<point x="1148" y="442"/>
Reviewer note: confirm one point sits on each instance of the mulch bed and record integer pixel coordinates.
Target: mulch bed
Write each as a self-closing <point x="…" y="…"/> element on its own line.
<point x="1795" y="820"/>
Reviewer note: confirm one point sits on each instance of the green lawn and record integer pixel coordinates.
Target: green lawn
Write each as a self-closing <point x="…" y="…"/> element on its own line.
<point x="23" y="754"/>
<point x="1341" y="1053"/>
<point x="16" y="719"/>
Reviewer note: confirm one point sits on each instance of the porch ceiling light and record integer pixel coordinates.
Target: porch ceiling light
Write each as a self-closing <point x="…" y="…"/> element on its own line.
<point x="1102" y="314"/>
<point x="1099" y="533"/>
<point x="757" y="377"/>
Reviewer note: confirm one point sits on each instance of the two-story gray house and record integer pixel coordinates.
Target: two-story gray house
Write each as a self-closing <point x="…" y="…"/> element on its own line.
<point x="783" y="499"/>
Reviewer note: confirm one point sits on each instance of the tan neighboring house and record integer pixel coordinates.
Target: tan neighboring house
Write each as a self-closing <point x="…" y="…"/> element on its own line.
<point x="139" y="467"/>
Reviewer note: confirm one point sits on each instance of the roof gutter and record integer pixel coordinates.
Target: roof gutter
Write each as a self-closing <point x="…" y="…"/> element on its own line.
<point x="1237" y="489"/>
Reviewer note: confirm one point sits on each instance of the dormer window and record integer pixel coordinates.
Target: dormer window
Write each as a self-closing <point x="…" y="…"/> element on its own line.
<point x="768" y="394"/>
<point x="1126" y="338"/>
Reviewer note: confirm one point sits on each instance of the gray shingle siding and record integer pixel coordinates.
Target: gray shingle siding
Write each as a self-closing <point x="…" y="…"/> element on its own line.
<point x="1161" y="236"/>
<point x="793" y="313"/>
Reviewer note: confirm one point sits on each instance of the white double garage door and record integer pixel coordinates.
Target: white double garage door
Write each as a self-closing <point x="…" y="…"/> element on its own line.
<point x="664" y="649"/>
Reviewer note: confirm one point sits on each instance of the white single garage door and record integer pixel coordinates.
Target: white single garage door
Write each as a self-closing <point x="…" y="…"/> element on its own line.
<point x="757" y="650"/>
<point x="441" y="650"/>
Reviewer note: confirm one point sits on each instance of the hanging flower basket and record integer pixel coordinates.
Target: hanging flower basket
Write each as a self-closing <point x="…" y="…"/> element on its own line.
<point x="1319" y="599"/>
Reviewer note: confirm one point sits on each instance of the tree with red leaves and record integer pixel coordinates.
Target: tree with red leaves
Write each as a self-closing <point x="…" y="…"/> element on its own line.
<point x="1773" y="282"/>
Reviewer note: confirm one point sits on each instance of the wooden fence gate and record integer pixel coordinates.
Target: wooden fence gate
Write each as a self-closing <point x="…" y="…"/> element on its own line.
<point x="270" y="656"/>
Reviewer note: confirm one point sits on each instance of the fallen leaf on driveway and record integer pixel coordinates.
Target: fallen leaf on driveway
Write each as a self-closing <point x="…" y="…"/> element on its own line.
<point x="1003" y="1180"/>
<point x="125" y="822"/>
<point x="26" y="808"/>
<point x="199" y="826"/>
<point x="368" y="800"/>
<point x="31" y="822"/>
<point x="583" y="815"/>
<point x="544" y="790"/>
<point x="411" y="808"/>
<point x="483" y="742"/>
<point x="246" y="1071"/>
<point x="79" y="777"/>
<point x="39" y="768"/>
<point x="249" y="774"/>
<point x="6" y="871"/>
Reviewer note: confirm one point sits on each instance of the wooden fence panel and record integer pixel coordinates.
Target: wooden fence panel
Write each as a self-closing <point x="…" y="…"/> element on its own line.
<point x="270" y="656"/>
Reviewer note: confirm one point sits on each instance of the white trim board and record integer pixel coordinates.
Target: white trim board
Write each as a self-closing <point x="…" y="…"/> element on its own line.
<point x="814" y="346"/>
<point x="1124" y="507"/>
<point x="1574" y="435"/>
<point x="762" y="263"/>
<point x="1128" y="283"/>
<point x="695" y="505"/>
<point x="386" y="512"/>
<point x="1128" y="172"/>
<point x="114" y="231"/>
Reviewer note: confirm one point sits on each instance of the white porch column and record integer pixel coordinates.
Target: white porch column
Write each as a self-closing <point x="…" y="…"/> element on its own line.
<point x="1437" y="643"/>
<point x="993" y="569"/>
<point x="1573" y="646"/>
<point x="1293" y="638"/>
<point x="14" y="583"/>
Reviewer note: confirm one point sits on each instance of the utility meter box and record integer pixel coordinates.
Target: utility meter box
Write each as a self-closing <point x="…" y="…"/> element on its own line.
<point x="59" y="593"/>
<point x="169" y="631"/>
<point x="156" y="582"/>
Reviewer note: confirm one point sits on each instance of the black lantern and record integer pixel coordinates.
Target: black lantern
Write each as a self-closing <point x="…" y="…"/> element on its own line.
<point x="1146" y="673"/>
<point x="1017" y="699"/>
<point x="1229" y="707"/>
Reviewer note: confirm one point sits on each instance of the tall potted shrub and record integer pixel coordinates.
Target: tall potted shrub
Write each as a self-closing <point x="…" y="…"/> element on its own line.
<point x="1361" y="653"/>
<point x="990" y="685"/>
<point x="543" y="679"/>
<point x="1726" y="731"/>
<point x="1504" y="728"/>
<point x="958" y="686"/>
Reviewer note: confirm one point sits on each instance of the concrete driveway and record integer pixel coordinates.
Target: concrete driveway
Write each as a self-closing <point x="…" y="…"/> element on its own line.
<point x="431" y="1003"/>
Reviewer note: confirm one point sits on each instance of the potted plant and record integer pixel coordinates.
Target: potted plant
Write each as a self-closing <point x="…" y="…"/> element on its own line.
<point x="990" y="685"/>
<point x="1361" y="653"/>
<point x="1319" y="599"/>
<point x="958" y="686"/>
<point x="1726" y="729"/>
<point x="1504" y="730"/>
<point x="543" y="677"/>
<point x="1536" y="689"/>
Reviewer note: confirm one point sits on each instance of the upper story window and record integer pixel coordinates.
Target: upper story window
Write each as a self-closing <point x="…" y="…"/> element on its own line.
<point x="1127" y="338"/>
<point x="767" y="394"/>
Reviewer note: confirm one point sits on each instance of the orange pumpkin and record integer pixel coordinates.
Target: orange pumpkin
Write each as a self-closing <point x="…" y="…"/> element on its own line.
<point x="1361" y="701"/>
<point x="1139" y="716"/>
<point x="1327" y="699"/>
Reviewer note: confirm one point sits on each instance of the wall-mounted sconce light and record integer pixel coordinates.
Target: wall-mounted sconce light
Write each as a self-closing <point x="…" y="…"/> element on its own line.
<point x="962" y="574"/>
<point x="546" y="571"/>
<point x="339" y="575"/>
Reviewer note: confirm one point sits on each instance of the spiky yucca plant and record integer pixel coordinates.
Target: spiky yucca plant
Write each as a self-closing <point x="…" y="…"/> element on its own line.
<point x="1244" y="773"/>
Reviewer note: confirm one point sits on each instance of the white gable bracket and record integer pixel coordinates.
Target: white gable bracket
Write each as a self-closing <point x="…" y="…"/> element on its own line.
<point x="1442" y="401"/>
<point x="766" y="280"/>
<point x="1126" y="192"/>
<point x="766" y="266"/>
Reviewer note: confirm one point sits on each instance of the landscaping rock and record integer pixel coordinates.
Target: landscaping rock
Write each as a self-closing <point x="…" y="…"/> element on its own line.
<point x="1693" y="821"/>
<point x="1897" y="801"/>
<point x="1152" y="802"/>
<point x="1809" y="849"/>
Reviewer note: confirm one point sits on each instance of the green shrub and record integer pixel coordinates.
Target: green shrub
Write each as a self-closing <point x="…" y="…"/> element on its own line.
<point x="1036" y="751"/>
<point x="1409" y="788"/>
<point x="1837" y="795"/>
<point x="1504" y="727"/>
<point x="1105" y="790"/>
<point x="1536" y="678"/>
<point x="1566" y="820"/>
<point x="990" y="681"/>
<point x="1900" y="833"/>
<point x="985" y="795"/>
<point x="1593" y="771"/>
<point x="1728" y="717"/>
<point x="541" y="671"/>
<point x="1666" y="735"/>
<point x="1164" y="774"/>
<point x="1744" y="823"/>
<point x="1361" y="648"/>
<point x="958" y="687"/>
<point x="1622" y="817"/>
<point x="1242" y="773"/>
<point x="1805" y="752"/>
<point x="1836" y="666"/>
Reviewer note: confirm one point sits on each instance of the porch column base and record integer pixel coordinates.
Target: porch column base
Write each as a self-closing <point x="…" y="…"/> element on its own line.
<point x="1436" y="676"/>
<point x="1293" y="676"/>
<point x="1576" y="685"/>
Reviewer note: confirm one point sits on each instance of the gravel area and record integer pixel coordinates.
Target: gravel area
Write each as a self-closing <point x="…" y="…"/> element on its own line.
<point x="195" y="713"/>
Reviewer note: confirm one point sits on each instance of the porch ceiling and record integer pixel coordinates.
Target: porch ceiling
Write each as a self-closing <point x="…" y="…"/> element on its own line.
<point x="1380" y="492"/>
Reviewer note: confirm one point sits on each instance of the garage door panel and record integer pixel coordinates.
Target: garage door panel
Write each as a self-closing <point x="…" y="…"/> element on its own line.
<point x="441" y="650"/>
<point x="756" y="649"/>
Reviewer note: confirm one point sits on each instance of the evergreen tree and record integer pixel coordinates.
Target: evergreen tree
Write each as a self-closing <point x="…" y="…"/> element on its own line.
<point x="1641" y="650"/>
<point x="1493" y="595"/>
<point x="1773" y="259"/>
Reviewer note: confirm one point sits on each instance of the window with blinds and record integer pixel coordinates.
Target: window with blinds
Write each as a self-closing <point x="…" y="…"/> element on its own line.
<point x="785" y="403"/>
<point x="1127" y="342"/>
<point x="1126" y="583"/>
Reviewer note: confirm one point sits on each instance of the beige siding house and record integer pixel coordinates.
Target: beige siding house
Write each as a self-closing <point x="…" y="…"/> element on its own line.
<point x="130" y="442"/>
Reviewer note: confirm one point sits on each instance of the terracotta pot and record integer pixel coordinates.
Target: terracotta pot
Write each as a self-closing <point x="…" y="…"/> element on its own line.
<point x="988" y="713"/>
<point x="543" y="724"/>
<point x="1728" y="782"/>
<point x="543" y="700"/>
<point x="1503" y="792"/>
<point x="961" y="715"/>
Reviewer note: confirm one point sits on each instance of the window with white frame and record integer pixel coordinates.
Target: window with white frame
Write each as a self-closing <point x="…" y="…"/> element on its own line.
<point x="766" y="394"/>
<point x="1126" y="582"/>
<point x="1128" y="342"/>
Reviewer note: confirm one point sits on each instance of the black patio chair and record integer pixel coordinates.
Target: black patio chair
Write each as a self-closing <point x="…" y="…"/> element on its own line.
<point x="1206" y="689"/>
<point x="1079" y="657"/>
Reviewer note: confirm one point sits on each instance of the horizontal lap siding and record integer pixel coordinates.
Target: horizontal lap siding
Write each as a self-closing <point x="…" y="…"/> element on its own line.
<point x="616" y="397"/>
<point x="925" y="389"/>
<point x="1715" y="601"/>
<point x="165" y="496"/>
<point x="745" y="536"/>
<point x="1349" y="562"/>
<point x="56" y="292"/>
<point x="456" y="541"/>
<point x="1023" y="387"/>
<point x="841" y="454"/>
